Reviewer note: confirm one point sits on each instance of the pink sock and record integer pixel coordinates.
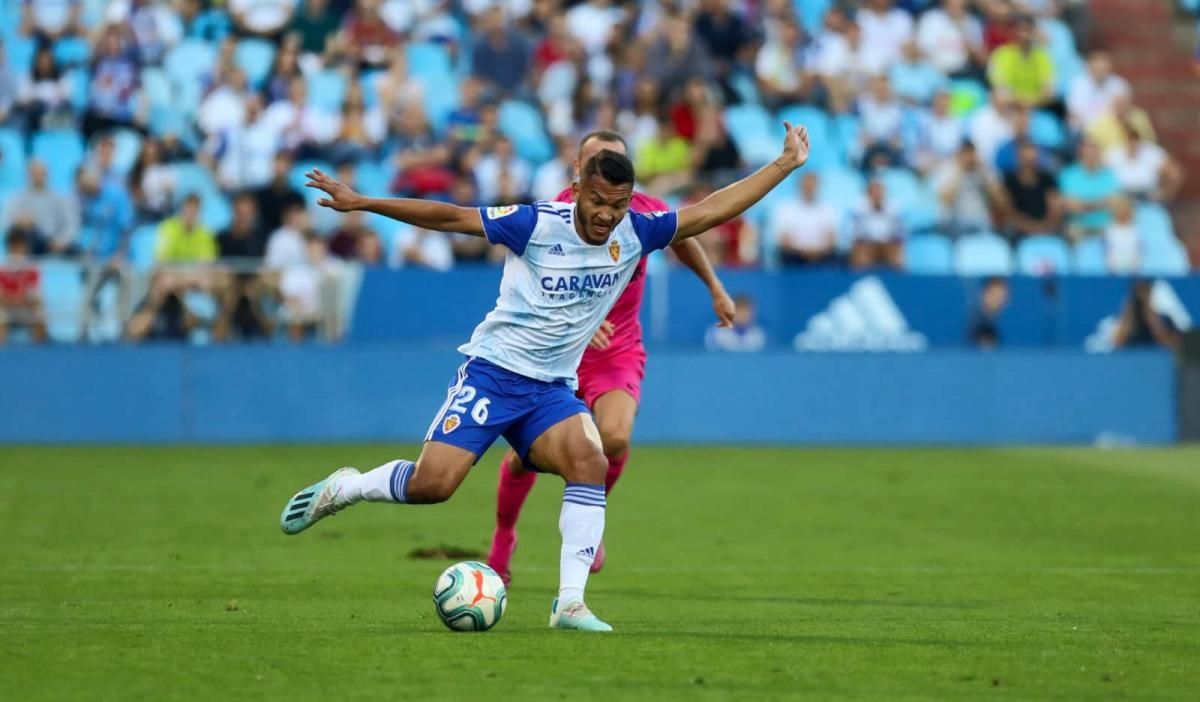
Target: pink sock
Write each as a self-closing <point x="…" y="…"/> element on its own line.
<point x="616" y="466"/>
<point x="511" y="494"/>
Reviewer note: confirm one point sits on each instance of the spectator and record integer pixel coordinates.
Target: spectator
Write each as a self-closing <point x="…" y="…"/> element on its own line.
<point x="592" y="23"/>
<point x="664" y="162"/>
<point x="639" y="124"/>
<point x="307" y="287"/>
<point x="302" y="127"/>
<point x="369" y="39"/>
<point x="284" y="72"/>
<point x="397" y="89"/>
<point x="734" y="243"/>
<point x="9" y="94"/>
<point x="464" y="123"/>
<point x="915" y="79"/>
<point x="152" y="182"/>
<point x="967" y="193"/>
<point x="876" y="230"/>
<point x="20" y="281"/>
<point x="983" y="331"/>
<point x="423" y="248"/>
<point x="556" y="46"/>
<point x="744" y="335"/>
<point x="50" y="20"/>
<point x="673" y="56"/>
<point x="1087" y="188"/>
<point x="780" y="66"/>
<point x="1109" y="129"/>
<point x="938" y="135"/>
<point x="106" y="212"/>
<point x="468" y="248"/>
<point x="885" y="29"/>
<point x="245" y="292"/>
<point x="502" y="56"/>
<point x="53" y="218"/>
<point x="361" y="130"/>
<point x="156" y="26"/>
<point x="1092" y="92"/>
<point x="1122" y="245"/>
<point x="805" y="229"/>
<point x="225" y="106"/>
<point x="991" y="125"/>
<point x="263" y="18"/>
<point x="1031" y="195"/>
<point x="113" y="93"/>
<point x="286" y="246"/>
<point x="183" y="239"/>
<point x="952" y="39"/>
<point x="314" y="24"/>
<point x="726" y="37"/>
<point x="422" y="161"/>
<point x="1023" y="67"/>
<point x="277" y="196"/>
<point x="353" y="240"/>
<point x="44" y="96"/>
<point x="715" y="156"/>
<point x="1021" y="128"/>
<point x="242" y="156"/>
<point x="999" y="25"/>
<point x="1141" y="324"/>
<point x="1143" y="169"/>
<point x="550" y="176"/>
<point x="882" y="119"/>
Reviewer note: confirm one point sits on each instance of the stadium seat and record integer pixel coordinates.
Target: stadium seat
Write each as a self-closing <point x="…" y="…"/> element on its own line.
<point x="823" y="151"/>
<point x="1043" y="255"/>
<point x="296" y="177"/>
<point x="429" y="62"/>
<point x="71" y="51"/>
<point x="191" y="177"/>
<point x="521" y="122"/>
<point x="216" y="212"/>
<point x="440" y="103"/>
<point x="1154" y="225"/>
<point x="841" y="188"/>
<point x="921" y="212"/>
<point x="20" y="51"/>
<point x="62" y="299"/>
<point x="141" y="247"/>
<point x="372" y="179"/>
<point x="327" y="90"/>
<point x="929" y="254"/>
<point x="81" y="85"/>
<point x="255" y="57"/>
<point x="745" y="87"/>
<point x="127" y="145"/>
<point x="812" y="14"/>
<point x="1090" y="257"/>
<point x="845" y="134"/>
<point x="901" y="185"/>
<point x="1165" y="257"/>
<point x="12" y="160"/>
<point x="1046" y="130"/>
<point x="189" y="61"/>
<point x="750" y="128"/>
<point x="367" y="83"/>
<point x="63" y="152"/>
<point x="982" y="254"/>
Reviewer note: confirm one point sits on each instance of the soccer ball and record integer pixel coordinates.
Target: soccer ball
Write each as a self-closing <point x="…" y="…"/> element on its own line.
<point x="469" y="596"/>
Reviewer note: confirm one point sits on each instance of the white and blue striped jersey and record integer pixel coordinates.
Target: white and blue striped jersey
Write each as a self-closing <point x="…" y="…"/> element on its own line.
<point x="556" y="287"/>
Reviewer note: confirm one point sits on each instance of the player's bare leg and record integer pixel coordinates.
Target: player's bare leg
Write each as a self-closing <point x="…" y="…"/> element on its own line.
<point x="434" y="477"/>
<point x="572" y="449"/>
<point x="514" y="485"/>
<point x="615" y="412"/>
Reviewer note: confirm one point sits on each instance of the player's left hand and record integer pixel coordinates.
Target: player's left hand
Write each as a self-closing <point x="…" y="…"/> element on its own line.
<point x="795" y="145"/>
<point x="602" y="339"/>
<point x="723" y="307"/>
<point x="341" y="197"/>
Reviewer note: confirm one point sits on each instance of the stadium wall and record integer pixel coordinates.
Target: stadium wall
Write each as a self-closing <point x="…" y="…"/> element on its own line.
<point x="384" y="392"/>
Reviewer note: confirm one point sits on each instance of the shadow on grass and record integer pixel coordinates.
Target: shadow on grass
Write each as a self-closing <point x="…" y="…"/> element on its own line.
<point x="806" y="601"/>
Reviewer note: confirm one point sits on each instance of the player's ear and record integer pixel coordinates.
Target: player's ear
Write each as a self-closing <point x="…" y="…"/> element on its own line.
<point x="574" y="190"/>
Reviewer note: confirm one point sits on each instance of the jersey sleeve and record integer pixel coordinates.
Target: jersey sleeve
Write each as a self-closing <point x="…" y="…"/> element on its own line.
<point x="656" y="229"/>
<point x="511" y="225"/>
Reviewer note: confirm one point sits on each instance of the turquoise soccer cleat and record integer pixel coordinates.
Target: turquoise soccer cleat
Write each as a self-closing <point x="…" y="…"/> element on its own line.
<point x="575" y="616"/>
<point x="314" y="503"/>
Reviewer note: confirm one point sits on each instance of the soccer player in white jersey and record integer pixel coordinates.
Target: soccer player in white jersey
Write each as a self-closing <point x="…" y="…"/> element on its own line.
<point x="567" y="264"/>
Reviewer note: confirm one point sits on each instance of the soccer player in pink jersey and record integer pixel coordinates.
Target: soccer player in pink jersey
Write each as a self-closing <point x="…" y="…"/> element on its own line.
<point x="611" y="372"/>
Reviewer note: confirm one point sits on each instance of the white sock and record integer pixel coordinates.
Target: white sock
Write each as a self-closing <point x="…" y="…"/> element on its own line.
<point x="582" y="526"/>
<point x="387" y="483"/>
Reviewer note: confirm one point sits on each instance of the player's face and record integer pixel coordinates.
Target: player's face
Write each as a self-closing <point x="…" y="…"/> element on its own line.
<point x="601" y="205"/>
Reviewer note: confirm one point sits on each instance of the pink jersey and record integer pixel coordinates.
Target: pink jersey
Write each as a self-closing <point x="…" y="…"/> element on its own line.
<point x="626" y="313"/>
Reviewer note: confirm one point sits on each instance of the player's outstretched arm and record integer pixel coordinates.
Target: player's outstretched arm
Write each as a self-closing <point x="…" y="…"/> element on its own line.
<point x="426" y="214"/>
<point x="732" y="200"/>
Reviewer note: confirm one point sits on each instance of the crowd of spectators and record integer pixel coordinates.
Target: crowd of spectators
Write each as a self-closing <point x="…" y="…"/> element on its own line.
<point x="197" y="115"/>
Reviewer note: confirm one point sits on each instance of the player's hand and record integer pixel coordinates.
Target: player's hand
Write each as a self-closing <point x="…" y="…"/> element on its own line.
<point x="795" y="146"/>
<point x="602" y="339"/>
<point x="341" y="197"/>
<point x="723" y="307"/>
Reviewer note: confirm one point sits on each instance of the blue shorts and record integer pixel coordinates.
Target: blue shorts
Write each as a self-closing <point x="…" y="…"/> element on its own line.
<point x="486" y="401"/>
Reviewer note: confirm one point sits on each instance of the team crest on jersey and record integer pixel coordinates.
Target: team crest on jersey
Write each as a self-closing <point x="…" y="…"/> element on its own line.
<point x="450" y="423"/>
<point x="614" y="250"/>
<point x="498" y="212"/>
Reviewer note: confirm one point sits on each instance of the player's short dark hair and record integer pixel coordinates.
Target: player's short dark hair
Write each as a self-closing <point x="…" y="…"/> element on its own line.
<point x="606" y="136"/>
<point x="613" y="167"/>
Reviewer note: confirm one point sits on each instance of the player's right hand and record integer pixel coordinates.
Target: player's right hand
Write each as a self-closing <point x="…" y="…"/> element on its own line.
<point x="602" y="339"/>
<point x="341" y="197"/>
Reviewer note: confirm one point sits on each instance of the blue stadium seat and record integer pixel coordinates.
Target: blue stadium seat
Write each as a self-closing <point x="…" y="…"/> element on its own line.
<point x="141" y="247"/>
<point x="93" y="13"/>
<point x="745" y="87"/>
<point x="296" y="177"/>
<point x="440" y="103"/>
<point x="63" y="152"/>
<point x="823" y="151"/>
<point x="1090" y="257"/>
<point x="216" y="212"/>
<point x="845" y="132"/>
<point x="156" y="87"/>
<point x="982" y="255"/>
<point x="812" y="14"/>
<point x="430" y="63"/>
<point x="127" y="145"/>
<point x="372" y="179"/>
<point x="901" y="185"/>
<point x="20" y="51"/>
<point x="12" y="160"/>
<point x="71" y="51"/>
<point x="521" y="122"/>
<point x="841" y="188"/>
<point x="921" y="211"/>
<point x="327" y="90"/>
<point x="81" y="86"/>
<point x="1165" y="257"/>
<point x="189" y="61"/>
<point x="255" y="57"/>
<point x="62" y="299"/>
<point x="1154" y="225"/>
<point x="1046" y="130"/>
<point x="750" y="127"/>
<point x="367" y="83"/>
<point x="929" y="254"/>
<point x="191" y="177"/>
<point x="1043" y="255"/>
<point x="1064" y="54"/>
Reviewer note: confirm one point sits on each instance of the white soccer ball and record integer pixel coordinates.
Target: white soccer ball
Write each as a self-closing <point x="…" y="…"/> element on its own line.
<point x="470" y="596"/>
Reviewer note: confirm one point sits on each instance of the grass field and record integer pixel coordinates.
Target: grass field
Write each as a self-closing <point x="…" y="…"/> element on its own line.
<point x="160" y="573"/>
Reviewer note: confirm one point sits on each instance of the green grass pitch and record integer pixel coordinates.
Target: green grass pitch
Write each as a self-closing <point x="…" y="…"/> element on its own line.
<point x="161" y="574"/>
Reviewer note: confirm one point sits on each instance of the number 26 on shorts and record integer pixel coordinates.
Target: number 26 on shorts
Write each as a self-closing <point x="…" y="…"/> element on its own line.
<point x="464" y="397"/>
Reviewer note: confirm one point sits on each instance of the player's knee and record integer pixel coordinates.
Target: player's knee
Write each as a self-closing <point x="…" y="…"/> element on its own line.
<point x="588" y="467"/>
<point x="615" y="436"/>
<point x="429" y="487"/>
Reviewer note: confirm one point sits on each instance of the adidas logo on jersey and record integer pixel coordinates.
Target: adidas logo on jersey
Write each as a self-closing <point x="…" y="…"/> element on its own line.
<point x="557" y="250"/>
<point x="865" y="318"/>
